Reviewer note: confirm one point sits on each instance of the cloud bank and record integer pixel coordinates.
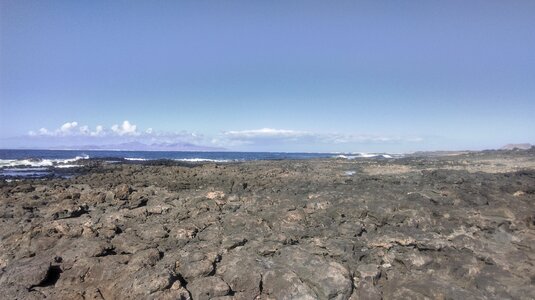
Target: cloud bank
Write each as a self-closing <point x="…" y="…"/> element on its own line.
<point x="125" y="129"/>
<point x="72" y="133"/>
<point x="263" y="139"/>
<point x="270" y="135"/>
<point x="265" y="133"/>
<point x="72" y="129"/>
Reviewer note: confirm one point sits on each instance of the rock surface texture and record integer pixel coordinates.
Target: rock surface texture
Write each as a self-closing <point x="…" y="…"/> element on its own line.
<point x="420" y="227"/>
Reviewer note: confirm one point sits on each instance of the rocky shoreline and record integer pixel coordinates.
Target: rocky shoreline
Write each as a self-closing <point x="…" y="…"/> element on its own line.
<point x="420" y="227"/>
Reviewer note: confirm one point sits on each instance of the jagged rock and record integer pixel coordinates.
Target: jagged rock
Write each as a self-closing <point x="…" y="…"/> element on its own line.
<point x="196" y="265"/>
<point x="334" y="280"/>
<point x="29" y="272"/>
<point x="130" y="243"/>
<point x="93" y="293"/>
<point x="231" y="270"/>
<point x="152" y="231"/>
<point x="72" y="212"/>
<point x="123" y="191"/>
<point x="23" y="188"/>
<point x="176" y="292"/>
<point x="419" y="227"/>
<point x="366" y="290"/>
<point x="147" y="281"/>
<point x="145" y="258"/>
<point x="136" y="200"/>
<point x="369" y="272"/>
<point x="208" y="288"/>
<point x="285" y="284"/>
<point x="16" y="291"/>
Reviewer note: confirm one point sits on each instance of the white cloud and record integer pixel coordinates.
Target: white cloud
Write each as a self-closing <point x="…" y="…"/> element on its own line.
<point x="67" y="127"/>
<point x="73" y="129"/>
<point x="41" y="131"/>
<point x="81" y="134"/>
<point x="266" y="133"/>
<point x="272" y="136"/>
<point x="263" y="138"/>
<point x="84" y="130"/>
<point x="125" y="129"/>
<point x="99" y="130"/>
<point x="359" y="138"/>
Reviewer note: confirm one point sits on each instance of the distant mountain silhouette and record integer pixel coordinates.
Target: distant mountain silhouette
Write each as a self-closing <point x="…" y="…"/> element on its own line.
<point x="137" y="146"/>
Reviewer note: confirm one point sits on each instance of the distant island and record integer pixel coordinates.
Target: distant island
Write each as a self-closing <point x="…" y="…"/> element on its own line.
<point x="138" y="146"/>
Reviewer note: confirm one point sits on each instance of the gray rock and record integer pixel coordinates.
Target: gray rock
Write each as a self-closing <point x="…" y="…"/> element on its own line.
<point x="419" y="227"/>
<point x="369" y="272"/>
<point x="71" y="212"/>
<point x="30" y="272"/>
<point x="196" y="265"/>
<point x="332" y="282"/>
<point x="208" y="288"/>
<point x="231" y="270"/>
<point x="123" y="191"/>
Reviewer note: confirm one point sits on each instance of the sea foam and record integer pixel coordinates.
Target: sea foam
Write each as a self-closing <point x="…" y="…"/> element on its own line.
<point x="59" y="163"/>
<point x="203" y="160"/>
<point x="363" y="155"/>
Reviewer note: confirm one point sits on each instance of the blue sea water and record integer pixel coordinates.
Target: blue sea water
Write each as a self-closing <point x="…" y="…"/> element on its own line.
<point x="148" y="155"/>
<point x="40" y="163"/>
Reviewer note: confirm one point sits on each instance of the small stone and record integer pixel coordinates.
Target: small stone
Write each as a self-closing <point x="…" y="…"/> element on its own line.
<point x="73" y="212"/>
<point x="369" y="271"/>
<point x="122" y="191"/>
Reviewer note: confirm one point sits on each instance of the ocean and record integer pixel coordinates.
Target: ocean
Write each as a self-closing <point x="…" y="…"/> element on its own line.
<point x="42" y="163"/>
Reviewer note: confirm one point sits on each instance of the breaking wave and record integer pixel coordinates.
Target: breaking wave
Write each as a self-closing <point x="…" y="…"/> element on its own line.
<point x="204" y="160"/>
<point x="366" y="155"/>
<point x="56" y="163"/>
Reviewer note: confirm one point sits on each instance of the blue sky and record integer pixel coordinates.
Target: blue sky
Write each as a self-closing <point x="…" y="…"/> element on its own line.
<point x="273" y="76"/>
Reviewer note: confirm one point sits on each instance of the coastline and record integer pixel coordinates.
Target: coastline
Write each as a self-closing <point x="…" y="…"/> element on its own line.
<point x="418" y="226"/>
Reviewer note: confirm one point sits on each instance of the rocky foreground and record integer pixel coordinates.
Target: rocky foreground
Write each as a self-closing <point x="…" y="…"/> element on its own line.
<point x="450" y="227"/>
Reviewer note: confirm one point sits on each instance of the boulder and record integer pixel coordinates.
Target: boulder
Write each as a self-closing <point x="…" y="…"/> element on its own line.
<point x="208" y="287"/>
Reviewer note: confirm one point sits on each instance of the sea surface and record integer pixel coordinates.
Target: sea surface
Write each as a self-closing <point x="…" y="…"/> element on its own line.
<point x="42" y="163"/>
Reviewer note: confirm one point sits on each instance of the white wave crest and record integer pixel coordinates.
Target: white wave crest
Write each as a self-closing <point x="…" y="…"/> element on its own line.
<point x="363" y="155"/>
<point x="203" y="160"/>
<point x="39" y="162"/>
<point x="25" y="162"/>
<point x="70" y="160"/>
<point x="135" y="159"/>
<point x="68" y="166"/>
<point x="32" y="169"/>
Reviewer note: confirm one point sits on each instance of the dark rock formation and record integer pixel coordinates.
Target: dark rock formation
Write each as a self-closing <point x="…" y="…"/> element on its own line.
<point x="452" y="227"/>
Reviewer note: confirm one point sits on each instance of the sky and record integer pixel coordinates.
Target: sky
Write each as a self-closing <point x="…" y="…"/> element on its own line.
<point x="349" y="76"/>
